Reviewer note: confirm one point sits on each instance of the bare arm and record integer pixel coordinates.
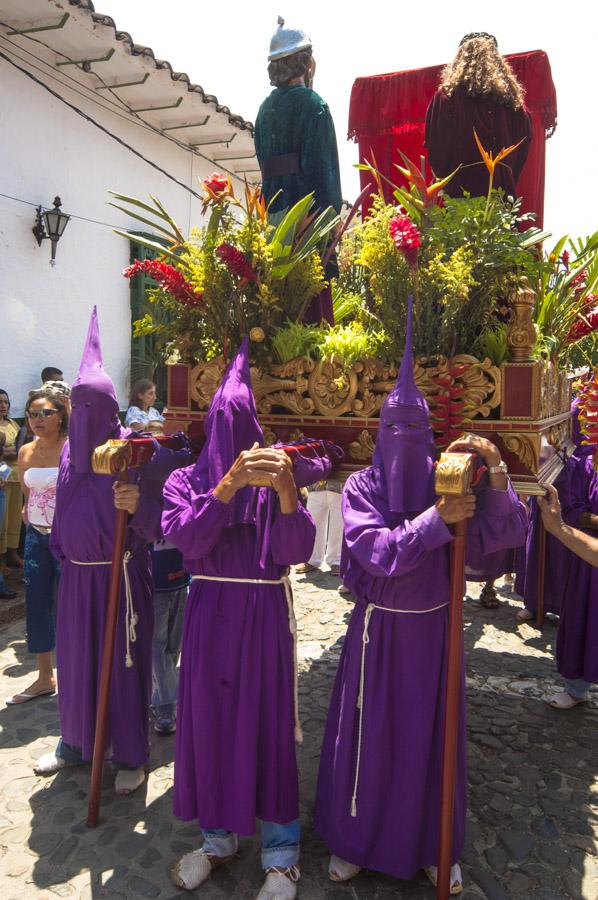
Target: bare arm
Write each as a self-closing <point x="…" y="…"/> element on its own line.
<point x="583" y="545"/>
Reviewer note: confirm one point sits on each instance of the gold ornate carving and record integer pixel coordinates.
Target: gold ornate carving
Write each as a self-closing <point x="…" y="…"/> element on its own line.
<point x="454" y="474"/>
<point x="328" y="388"/>
<point x="526" y="448"/>
<point x="363" y="447"/>
<point x="558" y="435"/>
<point x="204" y="379"/>
<point x="521" y="335"/>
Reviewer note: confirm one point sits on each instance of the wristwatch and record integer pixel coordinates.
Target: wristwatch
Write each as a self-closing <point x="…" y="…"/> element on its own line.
<point x="500" y="469"/>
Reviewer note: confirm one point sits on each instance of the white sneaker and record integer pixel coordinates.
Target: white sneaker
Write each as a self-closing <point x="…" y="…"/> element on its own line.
<point x="341" y="870"/>
<point x="279" y="886"/>
<point x="195" y="868"/>
<point x="49" y="763"/>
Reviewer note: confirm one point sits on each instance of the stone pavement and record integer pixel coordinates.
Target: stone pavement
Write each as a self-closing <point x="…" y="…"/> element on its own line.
<point x="533" y="810"/>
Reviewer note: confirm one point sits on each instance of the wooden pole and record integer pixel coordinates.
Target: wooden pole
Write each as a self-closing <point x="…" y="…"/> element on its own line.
<point x="451" y="713"/>
<point x="99" y="746"/>
<point x="541" y="573"/>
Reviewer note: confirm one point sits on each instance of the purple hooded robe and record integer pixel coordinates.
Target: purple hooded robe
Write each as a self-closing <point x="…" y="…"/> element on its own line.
<point x="83" y="531"/>
<point x="378" y="796"/>
<point x="235" y="742"/>
<point x="557" y="557"/>
<point x="577" y="639"/>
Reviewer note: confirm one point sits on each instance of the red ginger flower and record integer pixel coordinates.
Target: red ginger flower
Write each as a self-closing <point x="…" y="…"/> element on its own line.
<point x="169" y="278"/>
<point x="217" y="187"/>
<point x="235" y="262"/>
<point x="406" y="238"/>
<point x="583" y="327"/>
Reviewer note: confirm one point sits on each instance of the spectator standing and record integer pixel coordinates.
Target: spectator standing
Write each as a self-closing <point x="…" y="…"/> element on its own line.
<point x="171" y="585"/>
<point x="324" y="505"/>
<point x="141" y="414"/>
<point x="51" y="373"/>
<point x="38" y="462"/>
<point x="10" y="532"/>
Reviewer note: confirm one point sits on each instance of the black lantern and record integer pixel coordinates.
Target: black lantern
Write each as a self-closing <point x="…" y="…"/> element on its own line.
<point x="50" y="224"/>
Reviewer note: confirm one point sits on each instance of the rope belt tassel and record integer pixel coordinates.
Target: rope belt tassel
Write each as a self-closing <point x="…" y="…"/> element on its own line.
<point x="288" y="591"/>
<point x="131" y="617"/>
<point x="365" y="639"/>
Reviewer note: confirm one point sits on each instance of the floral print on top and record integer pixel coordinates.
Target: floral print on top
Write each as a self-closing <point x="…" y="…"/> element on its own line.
<point x="142" y="417"/>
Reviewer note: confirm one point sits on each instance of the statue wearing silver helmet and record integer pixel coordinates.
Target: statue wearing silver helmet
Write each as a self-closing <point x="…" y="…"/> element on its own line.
<point x="295" y="141"/>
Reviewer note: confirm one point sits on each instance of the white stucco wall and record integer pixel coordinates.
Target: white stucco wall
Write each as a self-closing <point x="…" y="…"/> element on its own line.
<point x="47" y="149"/>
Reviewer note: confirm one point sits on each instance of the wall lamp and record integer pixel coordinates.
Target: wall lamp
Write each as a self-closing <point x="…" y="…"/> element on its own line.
<point x="50" y="225"/>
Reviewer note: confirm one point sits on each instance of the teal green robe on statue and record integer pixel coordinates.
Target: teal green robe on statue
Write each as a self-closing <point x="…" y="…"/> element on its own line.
<point x="295" y="120"/>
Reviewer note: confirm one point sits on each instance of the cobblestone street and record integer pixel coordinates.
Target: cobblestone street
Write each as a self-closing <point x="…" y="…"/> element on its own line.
<point x="533" y="800"/>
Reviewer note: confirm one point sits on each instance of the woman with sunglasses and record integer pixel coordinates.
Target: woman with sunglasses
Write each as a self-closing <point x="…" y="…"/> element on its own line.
<point x="47" y="416"/>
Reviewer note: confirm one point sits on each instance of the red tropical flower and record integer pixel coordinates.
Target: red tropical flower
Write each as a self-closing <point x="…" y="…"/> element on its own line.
<point x="217" y="187"/>
<point x="406" y="238"/>
<point x="169" y="278"/>
<point x="235" y="261"/>
<point x="583" y="327"/>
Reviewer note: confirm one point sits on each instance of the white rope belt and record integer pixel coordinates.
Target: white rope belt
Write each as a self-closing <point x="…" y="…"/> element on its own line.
<point x="286" y="581"/>
<point x="131" y="618"/>
<point x="365" y="639"/>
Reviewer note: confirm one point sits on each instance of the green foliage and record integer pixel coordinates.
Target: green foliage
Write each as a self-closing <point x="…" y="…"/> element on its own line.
<point x="565" y="291"/>
<point x="350" y="343"/>
<point x="492" y="343"/>
<point x="295" y="340"/>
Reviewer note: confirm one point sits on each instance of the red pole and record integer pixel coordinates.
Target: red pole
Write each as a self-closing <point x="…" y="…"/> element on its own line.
<point x="451" y="714"/>
<point x="541" y="574"/>
<point x="99" y="746"/>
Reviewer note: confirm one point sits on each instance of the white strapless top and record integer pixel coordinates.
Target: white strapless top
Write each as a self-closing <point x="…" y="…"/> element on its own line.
<point x="42" y="495"/>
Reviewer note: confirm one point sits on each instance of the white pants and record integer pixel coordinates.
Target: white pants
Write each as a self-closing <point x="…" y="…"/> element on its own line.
<point x="325" y="508"/>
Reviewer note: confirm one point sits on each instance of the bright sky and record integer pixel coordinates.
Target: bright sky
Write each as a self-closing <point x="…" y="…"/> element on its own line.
<point x="224" y="47"/>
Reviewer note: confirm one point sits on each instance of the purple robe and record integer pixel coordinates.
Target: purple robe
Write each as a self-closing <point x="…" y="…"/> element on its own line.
<point x="557" y="557"/>
<point x="577" y="640"/>
<point x="401" y="562"/>
<point x="83" y="531"/>
<point x="235" y="743"/>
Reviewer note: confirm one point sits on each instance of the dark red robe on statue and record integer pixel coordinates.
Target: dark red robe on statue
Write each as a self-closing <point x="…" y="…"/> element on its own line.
<point x="388" y="112"/>
<point x="450" y="141"/>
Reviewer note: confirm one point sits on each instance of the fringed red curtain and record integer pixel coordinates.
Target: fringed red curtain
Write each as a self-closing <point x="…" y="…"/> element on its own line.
<point x="388" y="112"/>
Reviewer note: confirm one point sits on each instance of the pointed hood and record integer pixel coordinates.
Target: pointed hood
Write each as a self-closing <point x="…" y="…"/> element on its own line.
<point x="405" y="394"/>
<point x="405" y="445"/>
<point x="94" y="407"/>
<point x="231" y="426"/>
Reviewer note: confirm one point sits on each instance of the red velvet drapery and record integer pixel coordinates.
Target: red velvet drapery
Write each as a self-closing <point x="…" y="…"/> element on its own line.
<point x="388" y="112"/>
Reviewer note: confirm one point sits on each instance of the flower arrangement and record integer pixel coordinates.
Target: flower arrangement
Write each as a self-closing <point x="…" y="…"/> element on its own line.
<point x="566" y="311"/>
<point x="243" y="273"/>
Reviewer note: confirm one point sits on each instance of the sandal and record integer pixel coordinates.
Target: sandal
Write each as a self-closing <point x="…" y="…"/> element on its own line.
<point x="488" y="597"/>
<point x="341" y="870"/>
<point x="194" y="868"/>
<point x="24" y="697"/>
<point x="456" y="877"/>
<point x="128" y="780"/>
<point x="563" y="700"/>
<point x="280" y="884"/>
<point x="525" y="615"/>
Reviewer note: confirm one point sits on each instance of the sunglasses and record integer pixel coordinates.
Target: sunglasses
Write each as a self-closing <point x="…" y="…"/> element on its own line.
<point x="42" y="413"/>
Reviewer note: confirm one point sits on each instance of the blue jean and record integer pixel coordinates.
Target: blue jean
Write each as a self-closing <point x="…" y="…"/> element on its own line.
<point x="42" y="571"/>
<point x="73" y="756"/>
<point x="169" y="607"/>
<point x="577" y="687"/>
<point x="280" y="843"/>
